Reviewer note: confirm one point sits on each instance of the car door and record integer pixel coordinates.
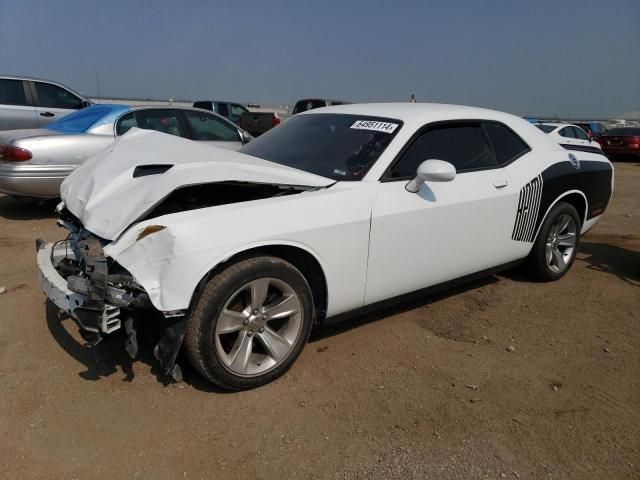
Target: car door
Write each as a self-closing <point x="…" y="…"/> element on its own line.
<point x="16" y="106"/>
<point x="446" y="230"/>
<point x="54" y="102"/>
<point x="213" y="130"/>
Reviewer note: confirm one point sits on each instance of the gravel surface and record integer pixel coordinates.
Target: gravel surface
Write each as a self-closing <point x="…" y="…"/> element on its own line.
<point x="503" y="378"/>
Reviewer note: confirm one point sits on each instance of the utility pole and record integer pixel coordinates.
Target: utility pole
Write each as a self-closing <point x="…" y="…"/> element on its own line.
<point x="98" y="82"/>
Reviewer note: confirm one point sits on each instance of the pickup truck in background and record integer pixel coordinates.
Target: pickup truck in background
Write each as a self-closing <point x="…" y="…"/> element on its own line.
<point x="254" y="122"/>
<point x="229" y="110"/>
<point x="312" y="103"/>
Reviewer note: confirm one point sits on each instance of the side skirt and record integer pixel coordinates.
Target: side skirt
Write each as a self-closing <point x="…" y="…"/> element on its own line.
<point x="427" y="292"/>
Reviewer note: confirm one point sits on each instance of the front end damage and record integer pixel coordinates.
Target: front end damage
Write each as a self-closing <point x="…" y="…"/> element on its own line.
<point x="101" y="296"/>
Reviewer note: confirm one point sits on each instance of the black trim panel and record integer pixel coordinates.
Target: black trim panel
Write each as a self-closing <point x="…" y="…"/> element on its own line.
<point x="592" y="178"/>
<point x="582" y="148"/>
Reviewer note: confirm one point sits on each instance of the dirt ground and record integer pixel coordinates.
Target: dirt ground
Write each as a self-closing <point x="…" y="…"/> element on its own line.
<point x="423" y="390"/>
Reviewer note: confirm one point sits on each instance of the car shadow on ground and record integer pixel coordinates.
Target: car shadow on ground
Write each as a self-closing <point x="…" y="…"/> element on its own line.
<point x="602" y="257"/>
<point x="22" y="208"/>
<point x="344" y="323"/>
<point x="618" y="261"/>
<point x="104" y="359"/>
<point x="109" y="357"/>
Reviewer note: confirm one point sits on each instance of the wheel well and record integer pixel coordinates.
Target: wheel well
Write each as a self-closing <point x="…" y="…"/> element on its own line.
<point x="299" y="258"/>
<point x="578" y="202"/>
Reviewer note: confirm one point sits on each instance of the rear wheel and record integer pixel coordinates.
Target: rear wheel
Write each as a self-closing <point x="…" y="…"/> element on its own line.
<point x="555" y="247"/>
<point x="250" y="323"/>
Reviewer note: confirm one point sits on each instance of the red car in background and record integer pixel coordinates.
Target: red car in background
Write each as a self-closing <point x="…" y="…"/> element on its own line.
<point x="621" y="142"/>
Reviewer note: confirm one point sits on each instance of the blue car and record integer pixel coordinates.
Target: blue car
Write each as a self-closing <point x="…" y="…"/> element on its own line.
<point x="33" y="163"/>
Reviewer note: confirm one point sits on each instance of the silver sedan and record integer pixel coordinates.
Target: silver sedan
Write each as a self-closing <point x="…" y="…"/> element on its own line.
<point x="33" y="163"/>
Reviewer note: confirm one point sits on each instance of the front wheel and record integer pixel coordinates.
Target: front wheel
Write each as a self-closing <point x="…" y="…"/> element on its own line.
<point x="556" y="246"/>
<point x="250" y="323"/>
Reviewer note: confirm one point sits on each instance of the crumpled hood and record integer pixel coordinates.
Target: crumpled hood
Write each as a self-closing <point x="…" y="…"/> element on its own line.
<point x="103" y="194"/>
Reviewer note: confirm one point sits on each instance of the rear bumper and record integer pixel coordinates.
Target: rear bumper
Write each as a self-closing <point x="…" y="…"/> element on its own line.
<point x="40" y="181"/>
<point x="621" y="152"/>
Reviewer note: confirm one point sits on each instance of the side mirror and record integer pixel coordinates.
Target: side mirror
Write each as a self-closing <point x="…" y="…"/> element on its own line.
<point x="431" y="171"/>
<point x="245" y="137"/>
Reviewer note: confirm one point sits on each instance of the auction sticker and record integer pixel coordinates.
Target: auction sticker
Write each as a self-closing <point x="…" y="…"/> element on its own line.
<point x="375" y="126"/>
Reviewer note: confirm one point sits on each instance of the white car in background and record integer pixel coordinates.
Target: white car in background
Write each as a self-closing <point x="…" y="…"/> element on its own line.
<point x="241" y="254"/>
<point x="570" y="136"/>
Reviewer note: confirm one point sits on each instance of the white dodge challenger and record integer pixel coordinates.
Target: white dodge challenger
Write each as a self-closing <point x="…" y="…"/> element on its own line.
<point x="239" y="255"/>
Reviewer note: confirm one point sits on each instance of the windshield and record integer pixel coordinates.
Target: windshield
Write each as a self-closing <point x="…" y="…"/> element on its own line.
<point x="82" y="120"/>
<point x="624" y="131"/>
<point x="341" y="147"/>
<point x="546" y="128"/>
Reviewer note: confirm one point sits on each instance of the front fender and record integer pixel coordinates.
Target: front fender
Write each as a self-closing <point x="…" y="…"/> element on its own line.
<point x="171" y="262"/>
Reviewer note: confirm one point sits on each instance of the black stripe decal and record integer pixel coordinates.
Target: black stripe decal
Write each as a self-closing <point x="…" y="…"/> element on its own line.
<point x="528" y="207"/>
<point x="591" y="178"/>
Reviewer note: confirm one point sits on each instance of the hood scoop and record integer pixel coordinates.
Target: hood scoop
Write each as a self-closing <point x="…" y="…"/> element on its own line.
<point x="144" y="170"/>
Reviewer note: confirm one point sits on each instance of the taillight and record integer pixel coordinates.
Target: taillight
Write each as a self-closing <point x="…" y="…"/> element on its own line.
<point x="275" y="121"/>
<point x="14" y="154"/>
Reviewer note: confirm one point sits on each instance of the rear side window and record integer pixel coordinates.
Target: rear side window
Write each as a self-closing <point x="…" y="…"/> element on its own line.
<point x="125" y="123"/>
<point x="12" y="92"/>
<point x="507" y="145"/>
<point x="567" y="132"/>
<point x="160" y="120"/>
<point x="53" y="96"/>
<point x="579" y="133"/>
<point x="207" y="127"/>
<point x="546" y="128"/>
<point x="463" y="145"/>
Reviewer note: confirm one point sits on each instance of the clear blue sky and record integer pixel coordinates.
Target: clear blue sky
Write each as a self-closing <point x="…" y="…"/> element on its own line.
<point x="565" y="57"/>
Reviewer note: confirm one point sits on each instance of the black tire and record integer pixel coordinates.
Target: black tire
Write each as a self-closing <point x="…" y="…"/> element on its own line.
<point x="199" y="338"/>
<point x="537" y="264"/>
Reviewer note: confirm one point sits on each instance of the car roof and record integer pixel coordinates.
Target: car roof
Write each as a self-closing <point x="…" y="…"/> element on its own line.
<point x="416" y="115"/>
<point x="552" y="124"/>
<point x="423" y="112"/>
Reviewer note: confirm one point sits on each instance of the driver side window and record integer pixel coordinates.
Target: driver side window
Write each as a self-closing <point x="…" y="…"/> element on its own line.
<point x="463" y="145"/>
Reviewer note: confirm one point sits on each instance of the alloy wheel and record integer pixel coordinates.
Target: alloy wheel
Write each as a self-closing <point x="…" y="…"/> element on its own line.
<point x="258" y="327"/>
<point x="561" y="243"/>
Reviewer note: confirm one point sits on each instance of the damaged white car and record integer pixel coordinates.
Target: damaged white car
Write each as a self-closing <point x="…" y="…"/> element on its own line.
<point x="241" y="254"/>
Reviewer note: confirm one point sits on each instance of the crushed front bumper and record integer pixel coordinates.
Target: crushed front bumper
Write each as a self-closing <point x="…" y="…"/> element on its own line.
<point x="56" y="287"/>
<point x="93" y="298"/>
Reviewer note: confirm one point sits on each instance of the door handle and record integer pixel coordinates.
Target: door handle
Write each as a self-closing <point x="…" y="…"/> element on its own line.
<point x="47" y="114"/>
<point x="500" y="183"/>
